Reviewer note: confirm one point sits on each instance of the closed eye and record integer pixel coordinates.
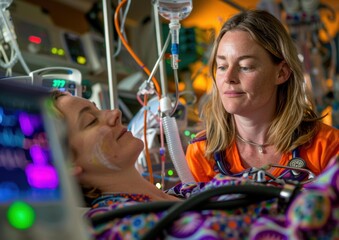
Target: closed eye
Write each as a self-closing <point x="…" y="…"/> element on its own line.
<point x="87" y="120"/>
<point x="92" y="122"/>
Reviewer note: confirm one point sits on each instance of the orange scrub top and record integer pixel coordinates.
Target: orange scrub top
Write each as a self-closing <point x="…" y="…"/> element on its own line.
<point x="324" y="146"/>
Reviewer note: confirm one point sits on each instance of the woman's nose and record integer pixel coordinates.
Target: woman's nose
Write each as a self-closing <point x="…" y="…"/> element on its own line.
<point x="113" y="117"/>
<point x="230" y="75"/>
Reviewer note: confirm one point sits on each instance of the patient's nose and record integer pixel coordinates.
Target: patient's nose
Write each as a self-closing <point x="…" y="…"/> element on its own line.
<point x="113" y="117"/>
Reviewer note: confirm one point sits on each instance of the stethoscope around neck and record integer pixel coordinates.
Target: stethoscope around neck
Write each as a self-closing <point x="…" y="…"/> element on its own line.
<point x="295" y="170"/>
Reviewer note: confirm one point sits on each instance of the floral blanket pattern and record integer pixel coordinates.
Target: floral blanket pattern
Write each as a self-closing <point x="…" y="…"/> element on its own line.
<point x="312" y="214"/>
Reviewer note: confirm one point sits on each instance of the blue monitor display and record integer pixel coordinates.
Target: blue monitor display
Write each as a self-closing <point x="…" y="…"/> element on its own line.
<point x="38" y="198"/>
<point x="27" y="170"/>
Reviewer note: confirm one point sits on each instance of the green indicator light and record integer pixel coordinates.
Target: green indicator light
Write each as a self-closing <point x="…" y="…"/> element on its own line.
<point x="170" y="172"/>
<point x="21" y="215"/>
<point x="54" y="50"/>
<point x="187" y="133"/>
<point x="81" y="60"/>
<point x="193" y="136"/>
<point x="61" y="52"/>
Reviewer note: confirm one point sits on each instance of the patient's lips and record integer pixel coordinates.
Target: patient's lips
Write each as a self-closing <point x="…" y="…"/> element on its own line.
<point x="124" y="130"/>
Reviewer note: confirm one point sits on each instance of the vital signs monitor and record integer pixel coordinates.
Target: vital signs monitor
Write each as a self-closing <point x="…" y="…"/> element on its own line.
<point x="38" y="199"/>
<point x="62" y="78"/>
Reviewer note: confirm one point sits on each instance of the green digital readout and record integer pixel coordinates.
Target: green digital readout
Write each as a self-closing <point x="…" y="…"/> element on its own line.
<point x="58" y="83"/>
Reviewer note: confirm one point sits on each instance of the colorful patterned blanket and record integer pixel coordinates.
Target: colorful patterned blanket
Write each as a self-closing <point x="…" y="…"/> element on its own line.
<point x="312" y="213"/>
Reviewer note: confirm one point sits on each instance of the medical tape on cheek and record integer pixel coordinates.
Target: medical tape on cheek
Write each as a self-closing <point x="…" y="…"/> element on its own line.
<point x="100" y="148"/>
<point x="94" y="160"/>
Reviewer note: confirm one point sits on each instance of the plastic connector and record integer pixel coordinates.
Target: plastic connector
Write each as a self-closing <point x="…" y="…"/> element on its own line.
<point x="175" y="61"/>
<point x="174" y="27"/>
<point x="165" y="105"/>
<point x="147" y="88"/>
<point x="7" y="28"/>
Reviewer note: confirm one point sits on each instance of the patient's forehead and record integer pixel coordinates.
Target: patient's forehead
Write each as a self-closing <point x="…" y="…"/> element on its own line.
<point x="70" y="105"/>
<point x="67" y="102"/>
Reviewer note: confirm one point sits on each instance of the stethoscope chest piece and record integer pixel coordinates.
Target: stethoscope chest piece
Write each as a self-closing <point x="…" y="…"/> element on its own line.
<point x="297" y="162"/>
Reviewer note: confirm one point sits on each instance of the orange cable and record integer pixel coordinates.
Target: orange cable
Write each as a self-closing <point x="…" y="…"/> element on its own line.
<point x="136" y="58"/>
<point x="141" y="64"/>
<point x="148" y="158"/>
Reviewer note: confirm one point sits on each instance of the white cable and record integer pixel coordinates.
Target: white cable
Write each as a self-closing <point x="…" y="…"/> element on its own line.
<point x="11" y="39"/>
<point x="11" y="61"/>
<point x="4" y="55"/>
<point x="122" y="28"/>
<point x="155" y="68"/>
<point x="176" y="83"/>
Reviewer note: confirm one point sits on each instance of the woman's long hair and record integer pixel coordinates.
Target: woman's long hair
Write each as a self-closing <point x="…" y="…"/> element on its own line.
<point x="294" y="122"/>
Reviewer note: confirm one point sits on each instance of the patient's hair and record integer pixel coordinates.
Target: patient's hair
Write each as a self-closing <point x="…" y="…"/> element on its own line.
<point x="89" y="193"/>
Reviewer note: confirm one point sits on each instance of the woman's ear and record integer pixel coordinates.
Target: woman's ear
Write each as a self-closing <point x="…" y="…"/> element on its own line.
<point x="76" y="170"/>
<point x="284" y="73"/>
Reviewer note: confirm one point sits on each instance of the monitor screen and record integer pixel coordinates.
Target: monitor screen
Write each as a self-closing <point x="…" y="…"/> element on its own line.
<point x="60" y="84"/>
<point x="27" y="168"/>
<point x="38" y="198"/>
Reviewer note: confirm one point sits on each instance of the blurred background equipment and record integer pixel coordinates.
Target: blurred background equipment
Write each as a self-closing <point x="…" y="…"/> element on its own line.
<point x="38" y="199"/>
<point x="61" y="78"/>
<point x="9" y="49"/>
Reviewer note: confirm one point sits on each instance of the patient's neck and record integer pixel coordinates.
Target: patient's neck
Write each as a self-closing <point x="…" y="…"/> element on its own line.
<point x="130" y="181"/>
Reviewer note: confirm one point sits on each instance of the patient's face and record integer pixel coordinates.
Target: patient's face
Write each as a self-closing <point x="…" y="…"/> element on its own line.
<point x="99" y="141"/>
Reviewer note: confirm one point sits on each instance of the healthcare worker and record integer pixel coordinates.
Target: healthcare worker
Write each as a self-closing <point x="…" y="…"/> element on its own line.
<point x="259" y="112"/>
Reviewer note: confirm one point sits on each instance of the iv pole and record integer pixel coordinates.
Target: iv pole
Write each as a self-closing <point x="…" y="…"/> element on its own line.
<point x="162" y="69"/>
<point x="109" y="43"/>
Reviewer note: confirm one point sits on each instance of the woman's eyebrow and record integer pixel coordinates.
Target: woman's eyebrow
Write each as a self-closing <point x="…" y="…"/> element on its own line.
<point x="222" y="57"/>
<point x="82" y="111"/>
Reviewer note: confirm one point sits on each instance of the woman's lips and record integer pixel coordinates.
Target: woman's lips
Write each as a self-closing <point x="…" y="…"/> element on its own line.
<point x="122" y="133"/>
<point x="233" y="93"/>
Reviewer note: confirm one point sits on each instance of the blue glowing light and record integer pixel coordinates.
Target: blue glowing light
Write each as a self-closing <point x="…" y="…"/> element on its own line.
<point x="11" y="138"/>
<point x="8" y="191"/>
<point x="6" y="120"/>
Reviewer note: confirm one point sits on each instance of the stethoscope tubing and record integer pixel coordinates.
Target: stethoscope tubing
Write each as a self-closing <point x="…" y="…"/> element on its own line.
<point x="224" y="168"/>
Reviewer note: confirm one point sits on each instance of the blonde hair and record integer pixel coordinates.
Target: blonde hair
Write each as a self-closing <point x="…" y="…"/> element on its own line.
<point x="294" y="121"/>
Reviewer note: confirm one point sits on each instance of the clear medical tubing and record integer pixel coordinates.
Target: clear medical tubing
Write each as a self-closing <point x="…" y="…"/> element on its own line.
<point x="175" y="149"/>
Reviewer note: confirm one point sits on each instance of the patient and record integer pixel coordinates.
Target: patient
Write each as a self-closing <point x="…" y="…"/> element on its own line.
<point x="103" y="158"/>
<point x="103" y="151"/>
